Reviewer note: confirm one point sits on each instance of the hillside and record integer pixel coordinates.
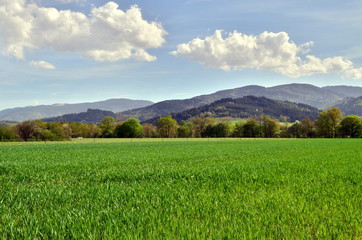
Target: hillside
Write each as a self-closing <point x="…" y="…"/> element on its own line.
<point x="303" y="93"/>
<point x="350" y="106"/>
<point x="46" y="111"/>
<point x="90" y="116"/>
<point x="346" y="91"/>
<point x="248" y="107"/>
<point x="299" y="93"/>
<point x="161" y="108"/>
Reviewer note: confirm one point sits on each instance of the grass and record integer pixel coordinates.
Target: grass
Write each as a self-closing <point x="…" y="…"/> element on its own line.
<point x="182" y="189"/>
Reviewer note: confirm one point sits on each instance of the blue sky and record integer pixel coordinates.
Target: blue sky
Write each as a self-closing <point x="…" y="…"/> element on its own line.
<point x="70" y="51"/>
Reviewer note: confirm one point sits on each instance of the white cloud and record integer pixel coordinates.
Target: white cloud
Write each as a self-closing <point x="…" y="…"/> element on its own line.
<point x="355" y="73"/>
<point x="267" y="51"/>
<point x="107" y="34"/>
<point x="42" y="64"/>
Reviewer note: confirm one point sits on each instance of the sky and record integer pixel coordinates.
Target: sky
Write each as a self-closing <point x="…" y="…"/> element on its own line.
<point x="72" y="51"/>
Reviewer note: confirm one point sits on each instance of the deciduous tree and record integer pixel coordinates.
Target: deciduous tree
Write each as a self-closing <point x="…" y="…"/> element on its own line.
<point x="185" y="129"/>
<point x="270" y="126"/>
<point x="129" y="129"/>
<point x="167" y="126"/>
<point x="7" y="133"/>
<point x="27" y="129"/>
<point x="200" y="124"/>
<point x="328" y="122"/>
<point x="219" y="130"/>
<point x="107" y="127"/>
<point x="149" y="130"/>
<point x="351" y="126"/>
<point x="238" y="130"/>
<point x="308" y="128"/>
<point x="295" y="130"/>
<point x="250" y="129"/>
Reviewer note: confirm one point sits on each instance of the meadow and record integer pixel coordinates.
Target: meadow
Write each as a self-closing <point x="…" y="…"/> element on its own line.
<point x="182" y="189"/>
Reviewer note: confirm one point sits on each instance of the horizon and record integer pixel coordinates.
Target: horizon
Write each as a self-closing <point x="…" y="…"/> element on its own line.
<point x="75" y="51"/>
<point x="154" y="102"/>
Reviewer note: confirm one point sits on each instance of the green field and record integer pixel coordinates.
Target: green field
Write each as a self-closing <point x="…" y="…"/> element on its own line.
<point x="196" y="189"/>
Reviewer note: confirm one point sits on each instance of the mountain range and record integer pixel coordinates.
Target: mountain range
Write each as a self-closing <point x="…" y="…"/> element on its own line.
<point x="299" y="93"/>
<point x="46" y="111"/>
<point x="236" y="108"/>
<point x="319" y="97"/>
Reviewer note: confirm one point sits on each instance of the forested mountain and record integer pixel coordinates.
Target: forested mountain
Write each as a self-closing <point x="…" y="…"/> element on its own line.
<point x="45" y="111"/>
<point x="299" y="93"/>
<point x="248" y="107"/>
<point x="161" y="108"/>
<point x="350" y="106"/>
<point x="91" y="116"/>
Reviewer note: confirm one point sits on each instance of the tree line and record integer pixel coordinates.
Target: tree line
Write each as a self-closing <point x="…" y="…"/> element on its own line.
<point x="330" y="124"/>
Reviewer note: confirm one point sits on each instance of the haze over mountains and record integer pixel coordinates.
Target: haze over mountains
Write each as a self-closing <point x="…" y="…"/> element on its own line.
<point x="46" y="111"/>
<point x="143" y="110"/>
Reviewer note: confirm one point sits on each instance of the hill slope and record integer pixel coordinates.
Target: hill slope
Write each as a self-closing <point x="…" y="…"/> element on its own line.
<point x="350" y="106"/>
<point x="303" y="93"/>
<point x="45" y="111"/>
<point x="299" y="93"/>
<point x="248" y="107"/>
<point x="90" y="116"/>
<point x="346" y="91"/>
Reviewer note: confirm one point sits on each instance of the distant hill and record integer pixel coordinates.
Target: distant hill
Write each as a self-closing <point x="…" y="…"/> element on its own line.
<point x="248" y="107"/>
<point x="90" y="116"/>
<point x="45" y="111"/>
<point x="346" y="91"/>
<point x="299" y="93"/>
<point x="7" y="123"/>
<point x="350" y="106"/>
<point x="303" y="93"/>
<point x="161" y="108"/>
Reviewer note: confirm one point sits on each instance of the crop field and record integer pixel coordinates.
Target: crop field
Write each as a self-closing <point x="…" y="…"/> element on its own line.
<point x="182" y="189"/>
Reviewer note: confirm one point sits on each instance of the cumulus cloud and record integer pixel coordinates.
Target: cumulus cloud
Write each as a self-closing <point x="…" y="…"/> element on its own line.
<point x="355" y="73"/>
<point x="267" y="51"/>
<point x="106" y="34"/>
<point x="42" y="64"/>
